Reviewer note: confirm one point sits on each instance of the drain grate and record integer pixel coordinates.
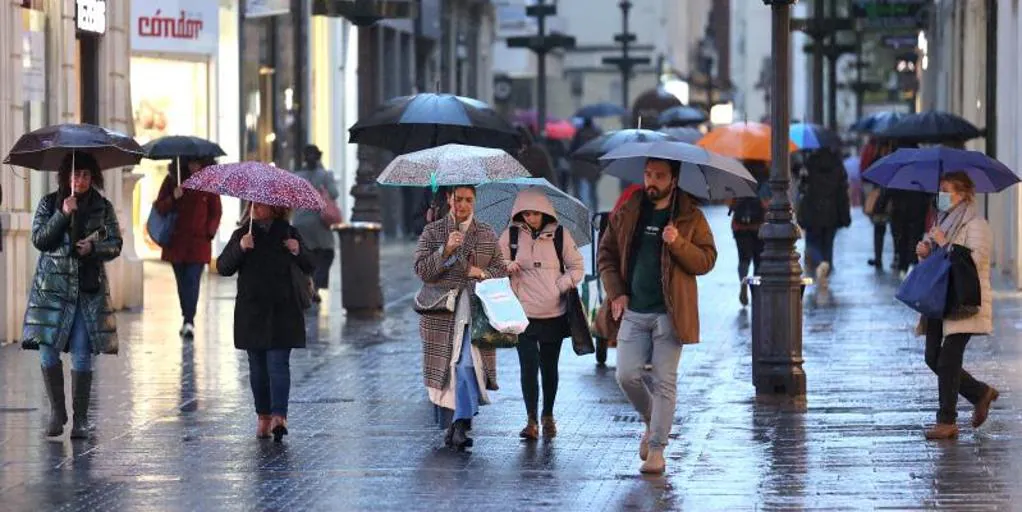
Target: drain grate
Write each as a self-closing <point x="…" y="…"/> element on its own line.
<point x="324" y="400"/>
<point x="634" y="418"/>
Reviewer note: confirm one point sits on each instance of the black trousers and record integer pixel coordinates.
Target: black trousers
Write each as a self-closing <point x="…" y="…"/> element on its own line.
<point x="879" y="232"/>
<point x="538" y="356"/>
<point x="324" y="258"/>
<point x="907" y="234"/>
<point x="750" y="248"/>
<point x="944" y="356"/>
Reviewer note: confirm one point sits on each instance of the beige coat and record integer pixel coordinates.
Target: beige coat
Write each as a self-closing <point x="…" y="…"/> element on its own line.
<point x="976" y="235"/>
<point x="540" y="286"/>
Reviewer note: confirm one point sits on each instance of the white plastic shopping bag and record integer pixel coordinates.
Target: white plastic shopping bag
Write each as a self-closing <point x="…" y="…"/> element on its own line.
<point x="502" y="308"/>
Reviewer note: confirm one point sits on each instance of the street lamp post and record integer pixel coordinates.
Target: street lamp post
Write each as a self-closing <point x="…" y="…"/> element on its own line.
<point x="625" y="63"/>
<point x="541" y="44"/>
<point x="777" y="332"/>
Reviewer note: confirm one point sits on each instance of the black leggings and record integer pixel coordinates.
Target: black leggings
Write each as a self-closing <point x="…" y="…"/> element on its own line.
<point x="537" y="356"/>
<point x="944" y="356"/>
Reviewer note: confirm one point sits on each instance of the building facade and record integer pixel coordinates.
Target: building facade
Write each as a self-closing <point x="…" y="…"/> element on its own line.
<point x="61" y="61"/>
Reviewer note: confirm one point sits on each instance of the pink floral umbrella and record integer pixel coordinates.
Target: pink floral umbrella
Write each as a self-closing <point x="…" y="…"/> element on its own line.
<point x="257" y="182"/>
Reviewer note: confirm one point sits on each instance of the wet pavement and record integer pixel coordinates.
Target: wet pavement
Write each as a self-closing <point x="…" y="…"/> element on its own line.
<point x="174" y="420"/>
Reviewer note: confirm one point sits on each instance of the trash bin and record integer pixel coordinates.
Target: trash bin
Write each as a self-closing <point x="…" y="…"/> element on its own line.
<point x="360" y="268"/>
<point x="754" y="283"/>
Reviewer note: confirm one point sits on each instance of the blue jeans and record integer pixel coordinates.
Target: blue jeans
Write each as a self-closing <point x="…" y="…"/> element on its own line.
<point x="820" y="246"/>
<point x="466" y="391"/>
<point x="188" y="276"/>
<point x="78" y="344"/>
<point x="269" y="373"/>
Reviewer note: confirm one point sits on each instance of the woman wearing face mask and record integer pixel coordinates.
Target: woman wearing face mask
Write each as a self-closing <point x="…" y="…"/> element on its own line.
<point x="76" y="231"/>
<point x="268" y="317"/>
<point x="530" y="245"/>
<point x="959" y="222"/>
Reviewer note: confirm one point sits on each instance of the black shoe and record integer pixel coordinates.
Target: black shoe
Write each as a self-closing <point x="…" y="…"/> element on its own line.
<point x="53" y="378"/>
<point x="81" y="389"/>
<point x="459" y="436"/>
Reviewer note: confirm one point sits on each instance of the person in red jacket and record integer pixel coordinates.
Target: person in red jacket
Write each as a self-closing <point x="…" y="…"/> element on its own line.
<point x="198" y="218"/>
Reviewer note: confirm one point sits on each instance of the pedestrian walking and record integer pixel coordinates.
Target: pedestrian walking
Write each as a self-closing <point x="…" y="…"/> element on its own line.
<point x="76" y="231"/>
<point x="544" y="265"/>
<point x="822" y="210"/>
<point x="316" y="234"/>
<point x="585" y="176"/>
<point x="271" y="261"/>
<point x="960" y="222"/>
<point x="453" y="254"/>
<point x="190" y="247"/>
<point x="876" y="204"/>
<point x="747" y="215"/>
<point x="655" y="246"/>
<point x="534" y="156"/>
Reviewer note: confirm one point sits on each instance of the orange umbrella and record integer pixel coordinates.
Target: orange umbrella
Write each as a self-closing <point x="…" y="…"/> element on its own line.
<point x="743" y="141"/>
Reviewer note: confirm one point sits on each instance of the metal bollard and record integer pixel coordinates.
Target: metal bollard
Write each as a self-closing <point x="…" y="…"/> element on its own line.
<point x="361" y="294"/>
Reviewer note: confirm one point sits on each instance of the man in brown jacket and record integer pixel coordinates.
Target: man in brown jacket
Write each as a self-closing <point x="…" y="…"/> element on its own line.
<point x="655" y="246"/>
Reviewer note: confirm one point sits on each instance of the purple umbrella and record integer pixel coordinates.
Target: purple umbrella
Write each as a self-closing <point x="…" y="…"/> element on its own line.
<point x="921" y="169"/>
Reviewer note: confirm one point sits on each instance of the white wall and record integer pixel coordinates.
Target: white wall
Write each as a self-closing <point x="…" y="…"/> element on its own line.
<point x="751" y="34"/>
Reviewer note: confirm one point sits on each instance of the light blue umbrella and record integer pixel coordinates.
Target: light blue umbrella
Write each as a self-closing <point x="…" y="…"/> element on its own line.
<point x="704" y="174"/>
<point x="494" y="202"/>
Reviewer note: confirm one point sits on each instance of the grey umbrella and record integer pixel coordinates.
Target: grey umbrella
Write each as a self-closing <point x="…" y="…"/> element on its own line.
<point x="495" y="201"/>
<point x="704" y="174"/>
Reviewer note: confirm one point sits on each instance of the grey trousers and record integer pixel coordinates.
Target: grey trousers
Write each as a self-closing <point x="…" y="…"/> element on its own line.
<point x="644" y="339"/>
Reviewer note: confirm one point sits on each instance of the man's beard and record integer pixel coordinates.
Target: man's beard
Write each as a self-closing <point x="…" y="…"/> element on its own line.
<point x="655" y="194"/>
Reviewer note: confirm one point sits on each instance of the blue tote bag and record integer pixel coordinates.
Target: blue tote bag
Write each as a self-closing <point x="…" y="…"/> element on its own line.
<point x="925" y="289"/>
<point x="161" y="227"/>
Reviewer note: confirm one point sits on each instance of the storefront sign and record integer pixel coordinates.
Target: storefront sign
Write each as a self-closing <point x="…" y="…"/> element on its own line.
<point x="891" y="14"/>
<point x="90" y="16"/>
<point x="259" y="8"/>
<point x="175" y="26"/>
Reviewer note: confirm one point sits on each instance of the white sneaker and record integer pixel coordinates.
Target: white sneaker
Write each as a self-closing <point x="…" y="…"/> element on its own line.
<point x="823" y="274"/>
<point x="187" y="330"/>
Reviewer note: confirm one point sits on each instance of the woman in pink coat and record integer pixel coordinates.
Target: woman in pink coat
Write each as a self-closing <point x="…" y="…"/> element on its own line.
<point x="540" y="277"/>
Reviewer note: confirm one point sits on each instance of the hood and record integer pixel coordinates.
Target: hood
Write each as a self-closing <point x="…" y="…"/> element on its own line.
<point x="535" y="200"/>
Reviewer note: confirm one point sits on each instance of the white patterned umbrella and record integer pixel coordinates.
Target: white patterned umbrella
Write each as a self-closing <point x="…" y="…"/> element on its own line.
<point x="451" y="164"/>
<point x="495" y="201"/>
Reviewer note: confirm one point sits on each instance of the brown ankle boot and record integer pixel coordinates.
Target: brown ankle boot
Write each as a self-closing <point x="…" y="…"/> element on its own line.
<point x="263" y="427"/>
<point x="942" y="431"/>
<point x="982" y="410"/>
<point x="531" y="430"/>
<point x="549" y="427"/>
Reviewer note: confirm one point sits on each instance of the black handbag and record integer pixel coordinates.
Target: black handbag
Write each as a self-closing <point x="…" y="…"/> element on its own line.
<point x="302" y="287"/>
<point x="964" y="295"/>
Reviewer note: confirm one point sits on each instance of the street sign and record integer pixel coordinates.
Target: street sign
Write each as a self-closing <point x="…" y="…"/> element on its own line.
<point x="630" y="61"/>
<point x="542" y="44"/>
<point x="899" y="41"/>
<point x="891" y="14"/>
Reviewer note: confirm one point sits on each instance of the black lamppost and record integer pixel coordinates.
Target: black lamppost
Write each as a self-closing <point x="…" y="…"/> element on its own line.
<point x="541" y="44"/>
<point x="708" y="58"/>
<point x="777" y="331"/>
<point x="626" y="63"/>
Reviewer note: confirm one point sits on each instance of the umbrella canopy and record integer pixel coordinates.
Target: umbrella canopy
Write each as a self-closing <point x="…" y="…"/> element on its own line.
<point x="556" y="128"/>
<point x="44" y="149"/>
<point x="877" y="122"/>
<point x="813" y="136"/>
<point x="181" y="146"/>
<point x="703" y="173"/>
<point x="921" y="169"/>
<point x="931" y="127"/>
<point x="682" y="116"/>
<point x="744" y="141"/>
<point x="410" y="123"/>
<point x="604" y="109"/>
<point x="451" y="164"/>
<point x="594" y="149"/>
<point x="495" y="201"/>
<point x="683" y="133"/>
<point x="257" y="182"/>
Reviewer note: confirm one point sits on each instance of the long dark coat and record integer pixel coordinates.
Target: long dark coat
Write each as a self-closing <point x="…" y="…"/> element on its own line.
<point x="55" y="287"/>
<point x="437" y="329"/>
<point x="267" y="314"/>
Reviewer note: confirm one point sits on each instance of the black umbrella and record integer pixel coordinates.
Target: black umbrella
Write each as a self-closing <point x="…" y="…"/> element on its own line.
<point x="412" y="123"/>
<point x="600" y="110"/>
<point x="877" y="122"/>
<point x="931" y="127"/>
<point x="45" y="149"/>
<point x="594" y="149"/>
<point x="683" y="133"/>
<point x="681" y="116"/>
<point x="181" y="146"/>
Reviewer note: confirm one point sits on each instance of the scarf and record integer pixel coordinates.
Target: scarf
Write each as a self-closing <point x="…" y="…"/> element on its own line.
<point x="955" y="219"/>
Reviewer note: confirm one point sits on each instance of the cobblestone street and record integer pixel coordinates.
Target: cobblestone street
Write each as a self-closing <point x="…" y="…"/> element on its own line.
<point x="175" y="422"/>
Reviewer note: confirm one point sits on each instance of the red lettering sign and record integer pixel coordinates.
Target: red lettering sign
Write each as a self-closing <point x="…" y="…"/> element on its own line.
<point x="185" y="26"/>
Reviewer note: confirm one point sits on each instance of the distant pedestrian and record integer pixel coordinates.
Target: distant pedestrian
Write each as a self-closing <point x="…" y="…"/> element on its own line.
<point x="876" y="204"/>
<point x="316" y="234"/>
<point x="268" y="316"/>
<point x="190" y="248"/>
<point x="537" y="248"/>
<point x="534" y="157"/>
<point x="823" y="209"/>
<point x="453" y="254"/>
<point x="656" y="245"/>
<point x="960" y="222"/>
<point x="585" y="175"/>
<point x="747" y="215"/>
<point x="76" y="232"/>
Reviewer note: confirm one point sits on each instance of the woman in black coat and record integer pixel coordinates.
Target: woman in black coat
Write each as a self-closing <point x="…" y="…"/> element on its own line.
<point x="268" y="317"/>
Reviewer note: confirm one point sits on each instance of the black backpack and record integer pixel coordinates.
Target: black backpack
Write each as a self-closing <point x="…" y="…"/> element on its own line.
<point x="558" y="243"/>
<point x="749" y="210"/>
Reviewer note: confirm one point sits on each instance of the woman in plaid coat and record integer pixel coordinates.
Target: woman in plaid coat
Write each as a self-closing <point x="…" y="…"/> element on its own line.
<point x="453" y="254"/>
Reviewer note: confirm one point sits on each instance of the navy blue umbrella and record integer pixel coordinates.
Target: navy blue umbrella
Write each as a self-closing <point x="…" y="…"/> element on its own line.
<point x="681" y="116"/>
<point x="877" y="122"/>
<point x="412" y="123"/>
<point x="931" y="127"/>
<point x="813" y="136"/>
<point x="596" y="148"/>
<point x="181" y="146"/>
<point x="920" y="169"/>
<point x="600" y="110"/>
<point x="45" y="149"/>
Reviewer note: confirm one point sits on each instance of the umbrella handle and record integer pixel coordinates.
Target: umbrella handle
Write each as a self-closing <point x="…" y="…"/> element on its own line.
<point x="251" y="213"/>
<point x="177" y="161"/>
